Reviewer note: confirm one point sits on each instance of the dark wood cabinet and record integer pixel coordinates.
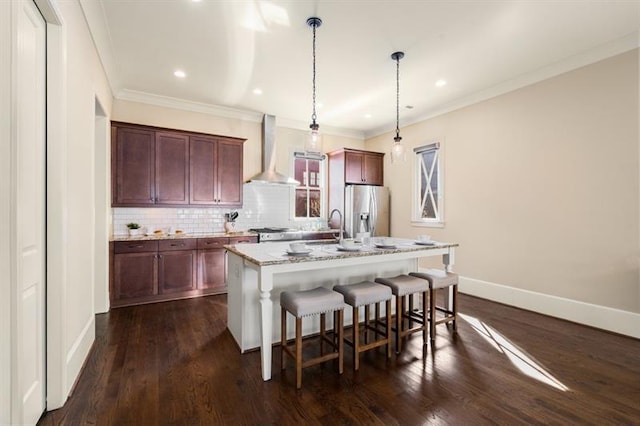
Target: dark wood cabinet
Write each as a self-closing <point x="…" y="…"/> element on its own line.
<point x="212" y="269"/>
<point x="229" y="181"/>
<point x="171" y="168"/>
<point x="135" y="271"/>
<point x="363" y="168"/>
<point x="215" y="179"/>
<point x="176" y="271"/>
<point x="135" y="275"/>
<point x="212" y="264"/>
<point x="352" y="167"/>
<point x="161" y="167"/>
<point x="156" y="270"/>
<point x="133" y="166"/>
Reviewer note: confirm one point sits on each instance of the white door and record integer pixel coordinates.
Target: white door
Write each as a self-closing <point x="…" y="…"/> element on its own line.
<point x="30" y="209"/>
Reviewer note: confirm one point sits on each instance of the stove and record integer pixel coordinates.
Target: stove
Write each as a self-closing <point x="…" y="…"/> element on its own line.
<point x="277" y="234"/>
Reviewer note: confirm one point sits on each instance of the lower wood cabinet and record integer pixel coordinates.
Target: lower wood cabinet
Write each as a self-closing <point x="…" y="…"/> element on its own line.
<point x="212" y="264"/>
<point x="176" y="271"/>
<point x="135" y="275"/>
<point x="158" y="270"/>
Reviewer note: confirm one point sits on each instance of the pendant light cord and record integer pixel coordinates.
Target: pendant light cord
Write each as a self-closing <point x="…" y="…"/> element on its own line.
<point x="398" y="138"/>
<point x="313" y="115"/>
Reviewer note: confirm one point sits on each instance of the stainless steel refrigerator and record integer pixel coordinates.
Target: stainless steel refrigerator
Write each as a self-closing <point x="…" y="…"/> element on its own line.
<point x="366" y="209"/>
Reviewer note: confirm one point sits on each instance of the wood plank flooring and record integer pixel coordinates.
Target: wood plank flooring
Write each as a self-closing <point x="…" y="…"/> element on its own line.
<point x="174" y="363"/>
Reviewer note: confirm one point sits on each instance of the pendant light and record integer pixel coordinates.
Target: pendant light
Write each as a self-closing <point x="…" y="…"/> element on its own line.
<point x="314" y="140"/>
<point x="397" y="150"/>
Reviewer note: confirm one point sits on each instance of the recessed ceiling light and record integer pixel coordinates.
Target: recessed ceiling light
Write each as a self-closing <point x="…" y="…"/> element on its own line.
<point x="367" y="116"/>
<point x="319" y="104"/>
<point x="441" y="83"/>
<point x="257" y="91"/>
<point x="179" y="74"/>
<point x="196" y="1"/>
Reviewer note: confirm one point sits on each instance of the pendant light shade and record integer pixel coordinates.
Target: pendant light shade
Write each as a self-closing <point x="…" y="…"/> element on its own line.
<point x="314" y="139"/>
<point x="397" y="149"/>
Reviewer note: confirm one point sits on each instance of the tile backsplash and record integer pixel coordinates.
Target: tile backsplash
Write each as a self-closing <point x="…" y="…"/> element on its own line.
<point x="264" y="205"/>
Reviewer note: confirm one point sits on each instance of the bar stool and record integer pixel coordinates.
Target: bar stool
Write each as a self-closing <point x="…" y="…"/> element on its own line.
<point x="306" y="303"/>
<point x="367" y="293"/>
<point x="438" y="279"/>
<point x="402" y="286"/>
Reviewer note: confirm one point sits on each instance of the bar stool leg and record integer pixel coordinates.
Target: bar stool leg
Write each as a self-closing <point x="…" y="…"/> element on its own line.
<point x="322" y="326"/>
<point x="424" y="318"/>
<point x="432" y="315"/>
<point x="341" y="341"/>
<point x="455" y="308"/>
<point x="356" y="339"/>
<point x="388" y="315"/>
<point x="399" y="307"/>
<point x="410" y="297"/>
<point x="366" y="323"/>
<point x="283" y="337"/>
<point x="298" y="353"/>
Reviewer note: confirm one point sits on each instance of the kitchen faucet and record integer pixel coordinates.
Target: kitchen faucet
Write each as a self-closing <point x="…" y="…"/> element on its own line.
<point x="341" y="220"/>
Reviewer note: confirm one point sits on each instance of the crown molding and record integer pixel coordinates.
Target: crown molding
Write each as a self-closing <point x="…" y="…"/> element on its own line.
<point x="624" y="44"/>
<point x="200" y="107"/>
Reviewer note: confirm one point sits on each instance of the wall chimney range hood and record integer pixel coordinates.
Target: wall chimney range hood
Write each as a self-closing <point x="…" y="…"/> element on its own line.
<point x="269" y="173"/>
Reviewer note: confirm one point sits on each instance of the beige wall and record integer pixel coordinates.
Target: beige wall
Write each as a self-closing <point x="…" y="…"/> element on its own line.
<point x="541" y="185"/>
<point x="80" y="82"/>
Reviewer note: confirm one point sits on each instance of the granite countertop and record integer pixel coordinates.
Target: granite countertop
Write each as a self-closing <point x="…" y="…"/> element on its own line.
<point x="181" y="236"/>
<point x="275" y="253"/>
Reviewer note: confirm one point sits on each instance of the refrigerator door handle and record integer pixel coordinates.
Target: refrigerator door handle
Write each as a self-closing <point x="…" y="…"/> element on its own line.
<point x="373" y="213"/>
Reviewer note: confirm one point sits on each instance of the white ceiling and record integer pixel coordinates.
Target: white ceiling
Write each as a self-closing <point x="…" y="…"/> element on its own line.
<point x="480" y="48"/>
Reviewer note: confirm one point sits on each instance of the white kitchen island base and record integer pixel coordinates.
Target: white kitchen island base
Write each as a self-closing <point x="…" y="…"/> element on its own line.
<point x="258" y="273"/>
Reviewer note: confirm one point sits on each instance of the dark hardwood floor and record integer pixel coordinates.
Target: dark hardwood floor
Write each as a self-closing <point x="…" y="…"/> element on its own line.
<point x="175" y="363"/>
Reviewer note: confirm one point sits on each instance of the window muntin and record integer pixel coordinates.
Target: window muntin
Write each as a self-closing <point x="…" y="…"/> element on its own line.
<point x="309" y="195"/>
<point x="429" y="184"/>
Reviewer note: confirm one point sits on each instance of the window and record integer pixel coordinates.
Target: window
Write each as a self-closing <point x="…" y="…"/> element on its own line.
<point x="428" y="197"/>
<point x="309" y="198"/>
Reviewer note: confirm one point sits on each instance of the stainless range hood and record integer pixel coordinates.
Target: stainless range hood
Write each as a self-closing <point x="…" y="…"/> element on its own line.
<point x="269" y="173"/>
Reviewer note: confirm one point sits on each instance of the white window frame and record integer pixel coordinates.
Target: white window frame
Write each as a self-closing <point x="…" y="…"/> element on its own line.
<point x="417" y="219"/>
<point x="323" y="186"/>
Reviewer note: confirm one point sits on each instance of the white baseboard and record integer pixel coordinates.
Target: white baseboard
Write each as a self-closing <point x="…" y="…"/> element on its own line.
<point x="78" y="353"/>
<point x="615" y="320"/>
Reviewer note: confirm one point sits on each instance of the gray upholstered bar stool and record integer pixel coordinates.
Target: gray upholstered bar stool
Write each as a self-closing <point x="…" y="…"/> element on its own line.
<point x="438" y="279"/>
<point x="401" y="287"/>
<point x="367" y="293"/>
<point x="304" y="304"/>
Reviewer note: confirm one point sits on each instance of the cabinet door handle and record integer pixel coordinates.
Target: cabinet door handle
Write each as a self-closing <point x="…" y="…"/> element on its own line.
<point x="138" y="246"/>
<point x="177" y="245"/>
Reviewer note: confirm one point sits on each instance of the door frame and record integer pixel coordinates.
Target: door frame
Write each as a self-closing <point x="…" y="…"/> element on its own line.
<point x="10" y="401"/>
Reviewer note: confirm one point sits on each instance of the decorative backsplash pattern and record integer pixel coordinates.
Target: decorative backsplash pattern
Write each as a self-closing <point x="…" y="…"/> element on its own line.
<point x="264" y="205"/>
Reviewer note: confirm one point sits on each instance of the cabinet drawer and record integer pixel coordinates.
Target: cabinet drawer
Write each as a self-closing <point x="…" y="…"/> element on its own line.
<point x="173" y="245"/>
<point x="210" y="243"/>
<point x="240" y="240"/>
<point x="134" y="246"/>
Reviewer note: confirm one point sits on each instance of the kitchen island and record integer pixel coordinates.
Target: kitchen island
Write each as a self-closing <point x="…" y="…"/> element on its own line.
<point x="258" y="273"/>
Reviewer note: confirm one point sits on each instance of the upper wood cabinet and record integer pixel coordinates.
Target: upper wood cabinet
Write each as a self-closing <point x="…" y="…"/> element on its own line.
<point x="355" y="167"/>
<point x="172" y="168"/>
<point x="161" y="167"/>
<point x="215" y="179"/>
<point x="133" y="166"/>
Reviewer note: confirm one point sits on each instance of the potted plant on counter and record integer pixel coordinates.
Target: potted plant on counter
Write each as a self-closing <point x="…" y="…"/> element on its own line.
<point x="134" y="229"/>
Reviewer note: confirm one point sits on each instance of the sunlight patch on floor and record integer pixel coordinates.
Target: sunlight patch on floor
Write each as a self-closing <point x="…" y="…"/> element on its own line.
<point x="517" y="357"/>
